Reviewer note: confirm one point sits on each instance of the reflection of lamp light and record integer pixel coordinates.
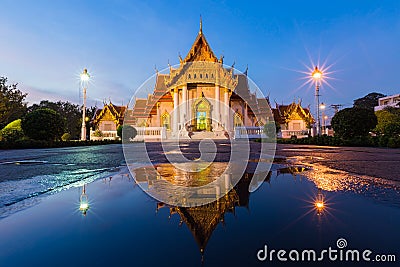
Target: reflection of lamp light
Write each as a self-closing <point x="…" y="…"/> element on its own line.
<point x="83" y="201"/>
<point x="319" y="202"/>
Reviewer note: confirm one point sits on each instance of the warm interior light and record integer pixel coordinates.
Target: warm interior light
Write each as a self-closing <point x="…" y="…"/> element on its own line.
<point x="85" y="76"/>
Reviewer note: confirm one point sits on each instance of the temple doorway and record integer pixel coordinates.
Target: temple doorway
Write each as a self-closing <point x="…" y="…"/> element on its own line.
<point x="202" y="115"/>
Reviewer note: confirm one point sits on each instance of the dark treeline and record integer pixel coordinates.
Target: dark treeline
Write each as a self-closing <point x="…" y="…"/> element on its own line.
<point x="45" y="121"/>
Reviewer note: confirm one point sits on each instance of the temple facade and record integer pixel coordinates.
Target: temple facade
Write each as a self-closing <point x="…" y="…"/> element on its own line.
<point x="106" y="121"/>
<point x="293" y="120"/>
<point x="201" y="97"/>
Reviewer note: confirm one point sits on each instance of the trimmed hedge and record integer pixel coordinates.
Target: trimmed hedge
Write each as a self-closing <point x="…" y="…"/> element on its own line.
<point x="361" y="141"/>
<point x="21" y="144"/>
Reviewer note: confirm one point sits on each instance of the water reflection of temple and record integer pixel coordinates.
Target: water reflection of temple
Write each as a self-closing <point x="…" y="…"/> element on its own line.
<point x="203" y="220"/>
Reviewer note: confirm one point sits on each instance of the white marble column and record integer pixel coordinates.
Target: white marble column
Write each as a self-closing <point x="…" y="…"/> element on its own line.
<point x="184" y="106"/>
<point x="226" y="109"/>
<point x="217" y="110"/>
<point x="176" y="111"/>
<point x="227" y="182"/>
<point x="245" y="115"/>
<point x="158" y="115"/>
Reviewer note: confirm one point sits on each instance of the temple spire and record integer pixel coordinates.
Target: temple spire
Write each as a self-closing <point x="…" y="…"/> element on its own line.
<point x="201" y="26"/>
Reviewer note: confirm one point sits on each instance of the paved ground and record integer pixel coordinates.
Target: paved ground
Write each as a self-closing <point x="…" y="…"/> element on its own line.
<point x="375" y="162"/>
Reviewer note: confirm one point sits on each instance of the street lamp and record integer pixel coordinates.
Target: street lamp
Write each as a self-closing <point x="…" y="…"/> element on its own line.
<point x="322" y="107"/>
<point x="325" y="117"/>
<point x="84" y="81"/>
<point x="317" y="76"/>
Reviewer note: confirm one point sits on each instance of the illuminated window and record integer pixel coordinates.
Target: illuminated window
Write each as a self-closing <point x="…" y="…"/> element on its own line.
<point x="237" y="119"/>
<point x="165" y="120"/>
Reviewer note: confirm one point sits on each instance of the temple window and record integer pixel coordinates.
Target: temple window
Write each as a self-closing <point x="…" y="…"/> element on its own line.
<point x="189" y="76"/>
<point x="194" y="75"/>
<point x="206" y="75"/>
<point x="201" y="76"/>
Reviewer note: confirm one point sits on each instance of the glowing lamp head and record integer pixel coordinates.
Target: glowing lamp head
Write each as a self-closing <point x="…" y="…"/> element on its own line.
<point x="322" y="106"/>
<point x="316" y="74"/>
<point x="85" y="76"/>
<point x="319" y="205"/>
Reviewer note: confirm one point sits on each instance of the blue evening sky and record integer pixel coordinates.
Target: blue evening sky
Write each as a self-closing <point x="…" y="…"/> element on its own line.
<point x="44" y="45"/>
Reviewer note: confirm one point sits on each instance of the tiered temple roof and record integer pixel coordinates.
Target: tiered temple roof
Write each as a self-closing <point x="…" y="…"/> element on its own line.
<point x="284" y="113"/>
<point x="116" y="112"/>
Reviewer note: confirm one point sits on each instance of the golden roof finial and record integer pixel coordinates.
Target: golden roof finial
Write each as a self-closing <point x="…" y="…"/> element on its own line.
<point x="201" y="26"/>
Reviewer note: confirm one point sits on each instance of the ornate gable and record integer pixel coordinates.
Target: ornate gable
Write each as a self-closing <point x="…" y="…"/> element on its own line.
<point x="110" y="112"/>
<point x="201" y="50"/>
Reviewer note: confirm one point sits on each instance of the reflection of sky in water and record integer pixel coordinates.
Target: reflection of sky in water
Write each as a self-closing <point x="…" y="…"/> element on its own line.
<point x="228" y="232"/>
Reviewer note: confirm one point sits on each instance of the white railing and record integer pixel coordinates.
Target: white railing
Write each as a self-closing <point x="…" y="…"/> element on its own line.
<point x="150" y="133"/>
<point x="106" y="135"/>
<point x="297" y="133"/>
<point x="249" y="132"/>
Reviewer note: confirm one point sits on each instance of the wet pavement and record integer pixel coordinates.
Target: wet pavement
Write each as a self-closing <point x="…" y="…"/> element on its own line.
<point x="367" y="161"/>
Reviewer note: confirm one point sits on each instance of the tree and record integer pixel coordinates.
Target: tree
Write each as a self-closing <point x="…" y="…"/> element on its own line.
<point x="353" y="122"/>
<point x="43" y="124"/>
<point x="369" y="101"/>
<point x="12" y="105"/>
<point x="71" y="112"/>
<point x="128" y="132"/>
<point x="388" y="121"/>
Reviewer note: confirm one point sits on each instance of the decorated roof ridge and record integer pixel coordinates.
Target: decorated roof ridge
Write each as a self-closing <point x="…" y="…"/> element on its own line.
<point x="200" y="50"/>
<point x="283" y="112"/>
<point x="117" y="112"/>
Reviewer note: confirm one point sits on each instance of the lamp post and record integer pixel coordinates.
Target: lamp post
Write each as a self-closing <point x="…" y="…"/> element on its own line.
<point x="325" y="119"/>
<point x="84" y="81"/>
<point x="317" y="76"/>
<point x="322" y="107"/>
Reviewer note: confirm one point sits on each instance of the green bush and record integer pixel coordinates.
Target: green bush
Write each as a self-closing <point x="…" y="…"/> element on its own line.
<point x="394" y="142"/>
<point x="66" y="137"/>
<point x="23" y="144"/>
<point x="12" y="131"/>
<point x="98" y="133"/>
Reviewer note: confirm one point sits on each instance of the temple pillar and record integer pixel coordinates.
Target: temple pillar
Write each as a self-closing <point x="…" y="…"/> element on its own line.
<point x="245" y="115"/>
<point x="217" y="110"/>
<point x="175" y="112"/>
<point x="158" y="115"/>
<point x="184" y="106"/>
<point x="227" y="182"/>
<point x="226" y="109"/>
